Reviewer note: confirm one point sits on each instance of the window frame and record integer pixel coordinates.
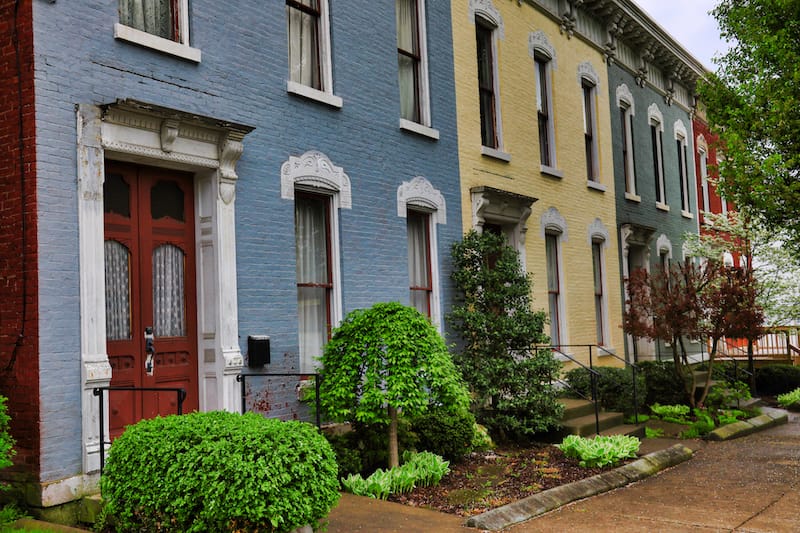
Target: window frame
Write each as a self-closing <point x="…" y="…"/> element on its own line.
<point x="601" y="308"/>
<point x="544" y="109"/>
<point x="485" y="38"/>
<point x="425" y="223"/>
<point x="555" y="300"/>
<point x="702" y="154"/>
<point x="657" y="146"/>
<point x="178" y="46"/>
<point x="423" y="122"/>
<point x="589" y="96"/>
<point x="324" y="94"/>
<point x="683" y="174"/>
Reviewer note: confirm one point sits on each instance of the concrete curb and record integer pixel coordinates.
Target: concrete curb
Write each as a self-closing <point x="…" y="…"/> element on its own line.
<point x="768" y="418"/>
<point x="547" y="500"/>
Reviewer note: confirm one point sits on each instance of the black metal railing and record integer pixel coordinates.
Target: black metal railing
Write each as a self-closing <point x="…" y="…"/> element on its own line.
<point x="594" y="376"/>
<point x="99" y="392"/>
<point x="242" y="378"/>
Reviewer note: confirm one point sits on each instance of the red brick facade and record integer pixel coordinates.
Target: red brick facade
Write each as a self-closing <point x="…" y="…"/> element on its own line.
<point x="19" y="361"/>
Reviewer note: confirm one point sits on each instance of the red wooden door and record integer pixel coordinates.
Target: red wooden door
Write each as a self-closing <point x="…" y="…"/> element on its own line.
<point x="150" y="283"/>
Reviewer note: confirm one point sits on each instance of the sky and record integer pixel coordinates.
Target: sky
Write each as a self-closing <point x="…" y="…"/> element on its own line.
<point x="689" y="23"/>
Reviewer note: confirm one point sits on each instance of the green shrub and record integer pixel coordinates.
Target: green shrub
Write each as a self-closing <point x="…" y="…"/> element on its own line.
<point x="727" y="395"/>
<point x="6" y="440"/>
<point x="614" y="387"/>
<point x="219" y="471"/>
<point x="601" y="450"/>
<point x="671" y="413"/>
<point x="662" y="383"/>
<point x="790" y="400"/>
<point x="418" y="470"/>
<point x="777" y="379"/>
<point x="445" y="431"/>
<point x="653" y="433"/>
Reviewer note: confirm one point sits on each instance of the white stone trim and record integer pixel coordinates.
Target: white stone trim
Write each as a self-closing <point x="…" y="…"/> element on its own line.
<point x="315" y="171"/>
<point x="654" y="116"/>
<point x="680" y="131"/>
<point x="625" y="96"/>
<point x="147" y="134"/>
<point x="487" y="10"/>
<point x="552" y="221"/>
<point x="538" y="42"/>
<point x="598" y="232"/>
<point x="663" y="244"/>
<point x="311" y="93"/>
<point x="587" y="72"/>
<point x="148" y="40"/>
<point x="419" y="129"/>
<point x="419" y="192"/>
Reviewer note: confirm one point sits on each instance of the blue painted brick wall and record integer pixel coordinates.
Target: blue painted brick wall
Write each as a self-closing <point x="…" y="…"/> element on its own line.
<point x="242" y="78"/>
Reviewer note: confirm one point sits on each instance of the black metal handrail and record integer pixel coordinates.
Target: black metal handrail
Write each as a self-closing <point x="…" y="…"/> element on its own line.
<point x="594" y="375"/>
<point x="99" y="392"/>
<point x="242" y="378"/>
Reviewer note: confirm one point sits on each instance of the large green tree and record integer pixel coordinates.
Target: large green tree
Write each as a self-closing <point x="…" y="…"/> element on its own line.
<point x="753" y="104"/>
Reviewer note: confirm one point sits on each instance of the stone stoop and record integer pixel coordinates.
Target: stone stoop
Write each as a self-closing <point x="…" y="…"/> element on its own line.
<point x="579" y="419"/>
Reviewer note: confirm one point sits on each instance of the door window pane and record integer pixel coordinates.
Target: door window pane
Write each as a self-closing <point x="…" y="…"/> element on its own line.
<point x="304" y="54"/>
<point x="169" y="312"/>
<point x="118" y="291"/>
<point x="419" y="266"/>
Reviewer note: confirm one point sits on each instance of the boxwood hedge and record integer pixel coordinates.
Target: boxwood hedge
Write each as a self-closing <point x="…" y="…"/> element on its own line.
<point x="219" y="471"/>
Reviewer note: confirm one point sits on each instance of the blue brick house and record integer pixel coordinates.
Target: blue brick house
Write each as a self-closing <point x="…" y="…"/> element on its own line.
<point x="200" y="181"/>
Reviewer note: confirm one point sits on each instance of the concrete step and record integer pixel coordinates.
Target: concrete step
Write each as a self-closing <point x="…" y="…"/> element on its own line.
<point x="586" y="424"/>
<point x="752" y="403"/>
<point x="626" y="429"/>
<point x="574" y="407"/>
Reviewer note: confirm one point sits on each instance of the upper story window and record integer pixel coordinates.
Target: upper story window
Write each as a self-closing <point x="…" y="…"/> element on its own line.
<point x="626" y="112"/>
<point x="599" y="292"/>
<point x="682" y="149"/>
<point x="657" y="146"/>
<point x="159" y="24"/>
<point x="704" y="180"/>
<point x="412" y="61"/>
<point x="544" y="111"/>
<point x="589" y="129"/>
<point x="487" y="86"/>
<point x="308" y="34"/>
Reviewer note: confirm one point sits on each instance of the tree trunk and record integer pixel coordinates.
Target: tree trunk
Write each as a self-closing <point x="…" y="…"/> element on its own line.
<point x="394" y="456"/>
<point x="711" y="357"/>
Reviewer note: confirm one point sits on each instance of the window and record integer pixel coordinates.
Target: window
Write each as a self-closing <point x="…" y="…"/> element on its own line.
<point x="412" y="61"/>
<point x="486" y="84"/>
<point x="419" y="261"/>
<point x="309" y="51"/>
<point x="312" y="216"/>
<point x="704" y="180"/>
<point x="159" y="24"/>
<point x="683" y="166"/>
<point x="544" y="110"/>
<point x="589" y="129"/>
<point x="599" y="296"/>
<point x="656" y="142"/>
<point x="553" y="287"/>
<point x="157" y="17"/>
<point x="628" y="161"/>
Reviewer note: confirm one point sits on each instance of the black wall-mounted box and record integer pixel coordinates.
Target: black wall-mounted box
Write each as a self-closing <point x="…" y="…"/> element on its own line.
<point x="257" y="350"/>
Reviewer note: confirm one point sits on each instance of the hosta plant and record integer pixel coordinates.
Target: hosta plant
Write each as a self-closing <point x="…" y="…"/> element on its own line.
<point x="601" y="450"/>
<point x="418" y="470"/>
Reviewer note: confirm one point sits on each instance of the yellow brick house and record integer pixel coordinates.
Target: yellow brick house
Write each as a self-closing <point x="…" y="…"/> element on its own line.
<point x="535" y="153"/>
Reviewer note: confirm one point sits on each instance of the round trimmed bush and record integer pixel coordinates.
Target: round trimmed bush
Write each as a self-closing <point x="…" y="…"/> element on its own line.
<point x="446" y="432"/>
<point x="219" y="471"/>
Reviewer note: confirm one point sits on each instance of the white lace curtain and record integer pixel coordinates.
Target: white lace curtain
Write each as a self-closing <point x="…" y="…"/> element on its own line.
<point x="151" y="16"/>
<point x="311" y="237"/>
<point x="118" y="294"/>
<point x="169" y="311"/>
<point x="407" y="55"/>
<point x="304" y="44"/>
<point x="418" y="261"/>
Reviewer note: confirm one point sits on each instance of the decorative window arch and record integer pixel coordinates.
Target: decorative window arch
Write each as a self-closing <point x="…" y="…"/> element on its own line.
<point x="702" y="144"/>
<point x="654" y="115"/>
<point x="553" y="222"/>
<point x="664" y="247"/>
<point x="587" y="72"/>
<point x="487" y="10"/>
<point x="314" y="170"/>
<point x="680" y="130"/>
<point x="419" y="192"/>
<point x="598" y="232"/>
<point x="625" y="97"/>
<point x="539" y="44"/>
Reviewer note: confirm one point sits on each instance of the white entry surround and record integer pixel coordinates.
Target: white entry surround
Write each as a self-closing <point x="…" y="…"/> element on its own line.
<point x="210" y="149"/>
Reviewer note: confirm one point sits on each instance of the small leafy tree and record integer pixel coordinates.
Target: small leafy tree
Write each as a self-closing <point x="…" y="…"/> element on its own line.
<point x="510" y="380"/>
<point x="386" y="360"/>
<point x="687" y="300"/>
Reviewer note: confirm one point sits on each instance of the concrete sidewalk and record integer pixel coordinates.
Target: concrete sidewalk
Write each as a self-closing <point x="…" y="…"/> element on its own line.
<point x="747" y="484"/>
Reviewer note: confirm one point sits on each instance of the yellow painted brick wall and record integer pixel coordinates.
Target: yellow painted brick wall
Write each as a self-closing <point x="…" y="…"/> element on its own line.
<point x="578" y="204"/>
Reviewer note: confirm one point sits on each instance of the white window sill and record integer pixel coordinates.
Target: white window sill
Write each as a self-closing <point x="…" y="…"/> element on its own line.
<point x="551" y="171"/>
<point x="596" y="186"/>
<point x="496" y="154"/>
<point x="148" y="40"/>
<point x="419" y="129"/>
<point x="305" y="91"/>
<point x="686" y="214"/>
<point x="633" y="197"/>
<point x="606" y="351"/>
<point x="662" y="206"/>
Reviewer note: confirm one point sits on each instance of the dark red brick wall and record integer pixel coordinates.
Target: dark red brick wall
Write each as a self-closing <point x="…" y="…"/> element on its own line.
<point x="19" y="361"/>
